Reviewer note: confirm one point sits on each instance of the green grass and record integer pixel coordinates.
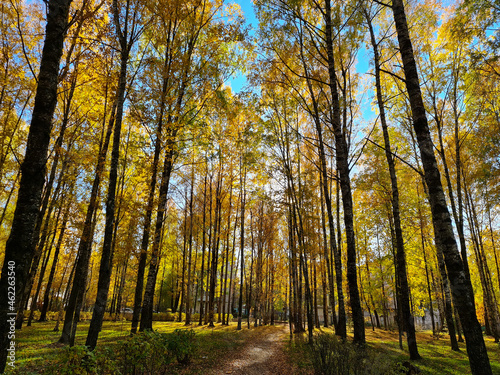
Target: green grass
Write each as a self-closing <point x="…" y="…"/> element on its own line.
<point x="37" y="347"/>
<point x="437" y="356"/>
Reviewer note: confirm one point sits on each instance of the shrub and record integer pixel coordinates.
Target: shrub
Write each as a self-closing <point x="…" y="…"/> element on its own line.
<point x="161" y="317"/>
<point x="107" y="361"/>
<point x="75" y="360"/>
<point x="170" y="317"/>
<point x="331" y="357"/>
<point x="182" y="343"/>
<point x="85" y="315"/>
<point x="145" y="353"/>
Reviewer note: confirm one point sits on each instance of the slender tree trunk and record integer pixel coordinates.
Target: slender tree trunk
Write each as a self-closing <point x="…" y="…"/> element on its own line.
<point x="170" y="146"/>
<point x="315" y="281"/>
<point x="203" y="245"/>
<point x="190" y="246"/>
<point x="18" y="250"/>
<point x="493" y="246"/>
<point x="243" y="176"/>
<point x="345" y="185"/>
<point x="249" y="283"/>
<point x="431" y="308"/>
<point x="209" y="253"/>
<point x="326" y="269"/>
<point x="445" y="239"/>
<point x="38" y="243"/>
<point x="448" y="310"/>
<point x="490" y="305"/>
<point x="48" y="287"/>
<point x="107" y="249"/>
<point x="184" y="255"/>
<point x="215" y="249"/>
<point x="407" y="317"/>
<point x="141" y="269"/>
<point x="224" y="288"/>
<point x="340" y="326"/>
<point x="84" y="247"/>
<point x="48" y="251"/>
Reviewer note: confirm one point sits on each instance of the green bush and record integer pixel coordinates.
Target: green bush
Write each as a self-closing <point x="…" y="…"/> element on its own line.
<point x="145" y="353"/>
<point x="330" y="356"/>
<point x="75" y="360"/>
<point x="160" y="317"/>
<point x="107" y="361"/>
<point x="182" y="343"/>
<point x="85" y="315"/>
<point x="169" y="317"/>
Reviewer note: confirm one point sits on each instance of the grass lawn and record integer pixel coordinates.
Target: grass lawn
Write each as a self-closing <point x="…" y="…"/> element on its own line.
<point x="437" y="356"/>
<point x="37" y="347"/>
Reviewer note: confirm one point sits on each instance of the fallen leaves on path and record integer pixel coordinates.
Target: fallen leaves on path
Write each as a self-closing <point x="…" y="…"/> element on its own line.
<point x="262" y="354"/>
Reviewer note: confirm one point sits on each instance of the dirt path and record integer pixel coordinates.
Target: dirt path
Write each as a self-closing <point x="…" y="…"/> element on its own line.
<point x="262" y="355"/>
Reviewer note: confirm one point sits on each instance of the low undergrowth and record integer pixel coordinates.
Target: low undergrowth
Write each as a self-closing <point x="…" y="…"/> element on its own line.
<point x="331" y="356"/>
<point x="172" y="348"/>
<point x="382" y="355"/>
<point x="146" y="353"/>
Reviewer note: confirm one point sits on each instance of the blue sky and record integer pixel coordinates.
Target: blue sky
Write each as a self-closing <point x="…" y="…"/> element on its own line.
<point x="239" y="81"/>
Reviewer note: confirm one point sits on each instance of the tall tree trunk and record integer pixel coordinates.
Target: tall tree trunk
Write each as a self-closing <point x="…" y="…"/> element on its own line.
<point x="209" y="252"/>
<point x="48" y="251"/>
<point x="443" y="230"/>
<point x="48" y="287"/>
<point x="243" y="177"/>
<point x="84" y="247"/>
<point x="490" y="305"/>
<point x="215" y="248"/>
<point x="147" y="306"/>
<point x="340" y="325"/>
<point x="184" y="256"/>
<point x="326" y="269"/>
<point x="18" y="250"/>
<point x="203" y="245"/>
<point x="226" y="256"/>
<point x="448" y="310"/>
<point x="345" y="186"/>
<point x="170" y="146"/>
<point x="107" y="248"/>
<point x="407" y="317"/>
<point x="494" y="246"/>
<point x="249" y="282"/>
<point x="39" y="241"/>
<point x="431" y="308"/>
<point x="141" y="269"/>
<point x="190" y="246"/>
